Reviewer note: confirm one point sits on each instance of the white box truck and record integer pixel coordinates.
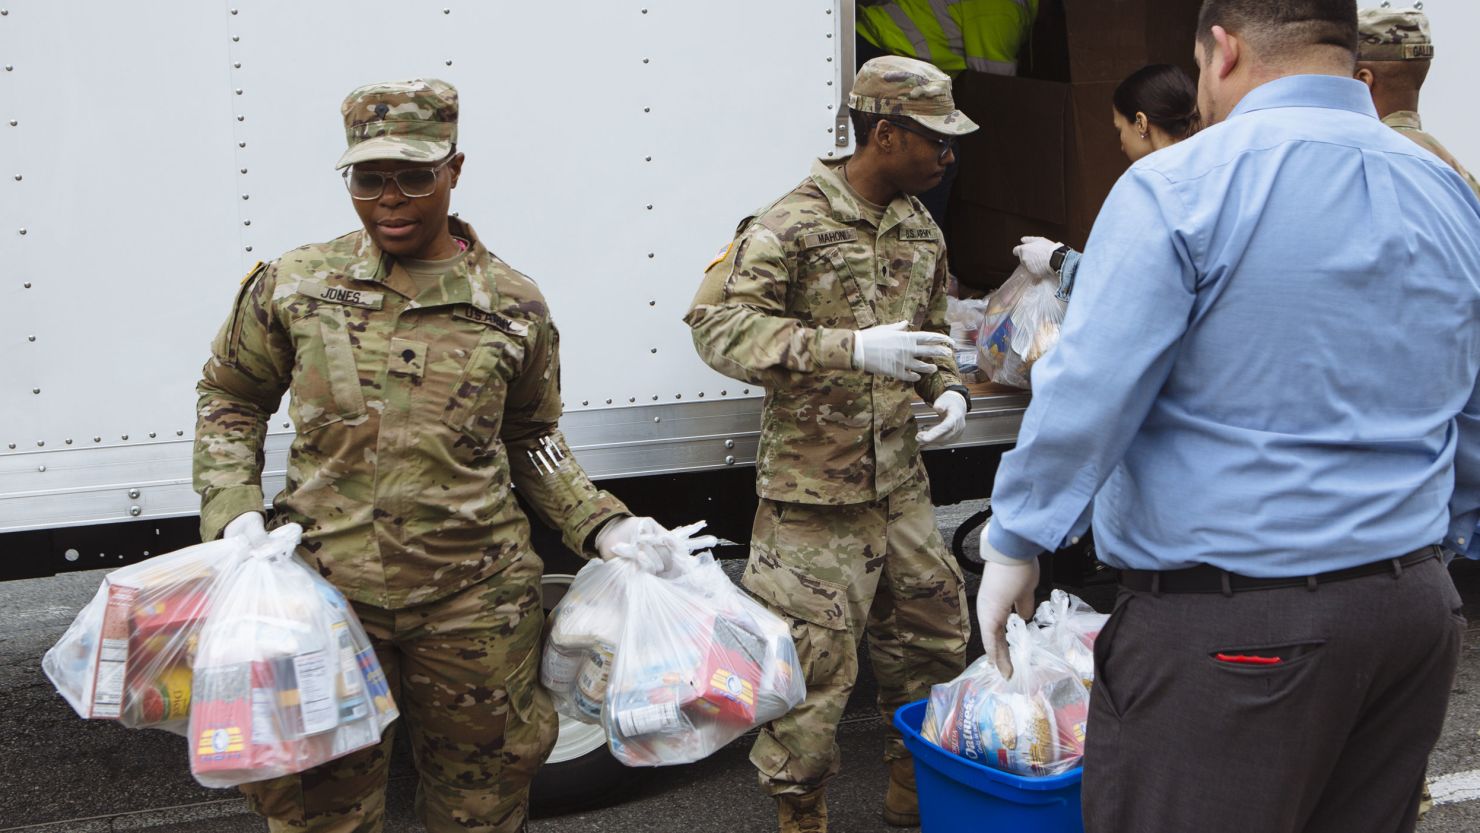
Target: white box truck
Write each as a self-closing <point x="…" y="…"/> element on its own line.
<point x="154" y="152"/>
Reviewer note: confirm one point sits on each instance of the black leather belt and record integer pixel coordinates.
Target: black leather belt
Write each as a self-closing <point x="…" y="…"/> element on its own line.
<point x="1205" y="578"/>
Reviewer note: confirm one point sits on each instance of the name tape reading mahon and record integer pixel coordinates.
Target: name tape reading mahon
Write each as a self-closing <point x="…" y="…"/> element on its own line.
<point x="828" y="238"/>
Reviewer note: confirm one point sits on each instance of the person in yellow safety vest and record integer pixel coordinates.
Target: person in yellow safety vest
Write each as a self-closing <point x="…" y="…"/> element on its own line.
<point x="954" y="35"/>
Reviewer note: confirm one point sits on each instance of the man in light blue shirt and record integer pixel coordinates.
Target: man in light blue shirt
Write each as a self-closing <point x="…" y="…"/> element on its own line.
<point x="1266" y="386"/>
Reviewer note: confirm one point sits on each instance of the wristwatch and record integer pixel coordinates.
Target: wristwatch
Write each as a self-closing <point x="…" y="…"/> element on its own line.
<point x="965" y="394"/>
<point x="1056" y="260"/>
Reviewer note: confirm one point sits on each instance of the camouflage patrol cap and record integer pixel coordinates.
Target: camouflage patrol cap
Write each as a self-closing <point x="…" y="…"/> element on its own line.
<point x="411" y="120"/>
<point x="1393" y="35"/>
<point x="896" y="86"/>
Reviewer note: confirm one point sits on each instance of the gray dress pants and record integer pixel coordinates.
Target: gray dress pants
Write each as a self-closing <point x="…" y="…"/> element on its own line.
<point x="1334" y="737"/>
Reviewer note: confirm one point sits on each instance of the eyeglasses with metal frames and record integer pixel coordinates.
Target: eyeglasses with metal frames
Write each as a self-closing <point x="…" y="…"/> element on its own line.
<point x="945" y="143"/>
<point x="413" y="182"/>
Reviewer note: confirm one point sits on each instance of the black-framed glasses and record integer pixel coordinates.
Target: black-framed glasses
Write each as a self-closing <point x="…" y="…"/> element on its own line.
<point x="413" y="182"/>
<point x="945" y="143"/>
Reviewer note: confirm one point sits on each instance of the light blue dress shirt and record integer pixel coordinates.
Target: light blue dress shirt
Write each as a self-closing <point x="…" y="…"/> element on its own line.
<point x="1270" y="361"/>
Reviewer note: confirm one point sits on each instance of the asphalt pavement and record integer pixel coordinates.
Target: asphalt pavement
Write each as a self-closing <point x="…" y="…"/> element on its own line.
<point x="60" y="774"/>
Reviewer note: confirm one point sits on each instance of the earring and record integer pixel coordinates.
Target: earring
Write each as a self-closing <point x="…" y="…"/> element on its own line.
<point x="1143" y="135"/>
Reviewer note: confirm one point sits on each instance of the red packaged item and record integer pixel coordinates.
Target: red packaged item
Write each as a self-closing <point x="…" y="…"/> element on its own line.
<point x="124" y="647"/>
<point x="730" y="673"/>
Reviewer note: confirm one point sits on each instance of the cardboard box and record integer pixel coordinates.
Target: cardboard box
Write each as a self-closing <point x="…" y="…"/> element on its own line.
<point x="1047" y="154"/>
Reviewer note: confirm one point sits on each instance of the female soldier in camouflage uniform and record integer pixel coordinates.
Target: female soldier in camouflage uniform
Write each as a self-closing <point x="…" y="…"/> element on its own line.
<point x="424" y="380"/>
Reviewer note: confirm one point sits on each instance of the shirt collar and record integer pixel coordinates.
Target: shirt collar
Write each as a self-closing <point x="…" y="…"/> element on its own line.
<point x="1403" y="119"/>
<point x="473" y="282"/>
<point x="1328" y="91"/>
<point x="840" y="198"/>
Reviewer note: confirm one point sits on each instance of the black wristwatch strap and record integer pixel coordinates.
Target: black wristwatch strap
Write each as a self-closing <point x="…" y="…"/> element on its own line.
<point x="1056" y="260"/>
<point x="965" y="394"/>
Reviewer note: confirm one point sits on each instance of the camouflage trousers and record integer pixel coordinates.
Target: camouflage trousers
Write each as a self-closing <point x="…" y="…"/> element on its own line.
<point x="836" y="573"/>
<point x="464" y="671"/>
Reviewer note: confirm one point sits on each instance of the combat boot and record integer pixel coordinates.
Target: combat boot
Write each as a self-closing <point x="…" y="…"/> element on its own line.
<point x="901" y="807"/>
<point x="802" y="813"/>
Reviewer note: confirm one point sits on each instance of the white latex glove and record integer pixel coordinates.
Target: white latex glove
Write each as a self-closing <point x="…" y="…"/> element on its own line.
<point x="1007" y="583"/>
<point x="1035" y="253"/>
<point x="891" y="350"/>
<point x="675" y="547"/>
<point x="652" y="548"/>
<point x="951" y="406"/>
<point x="622" y="531"/>
<point x="247" y="526"/>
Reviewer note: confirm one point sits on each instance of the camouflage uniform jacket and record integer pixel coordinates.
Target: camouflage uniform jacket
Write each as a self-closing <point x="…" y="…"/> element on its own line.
<point x="779" y="308"/>
<point x="1407" y="123"/>
<point x="415" y="412"/>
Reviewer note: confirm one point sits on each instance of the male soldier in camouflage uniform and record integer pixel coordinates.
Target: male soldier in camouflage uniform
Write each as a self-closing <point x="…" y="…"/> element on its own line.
<point x="833" y="299"/>
<point x="1393" y="57"/>
<point x="424" y="380"/>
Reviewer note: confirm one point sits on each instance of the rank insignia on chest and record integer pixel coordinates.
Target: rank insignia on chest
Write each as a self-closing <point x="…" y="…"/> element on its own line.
<point x="491" y="319"/>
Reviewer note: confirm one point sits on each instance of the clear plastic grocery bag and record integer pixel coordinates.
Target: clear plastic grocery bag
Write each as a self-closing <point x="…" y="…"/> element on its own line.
<point x="585" y="627"/>
<point x="1069" y="627"/>
<point x="1020" y="325"/>
<point x="1031" y="724"/>
<point x="128" y="656"/>
<point x="676" y="664"/>
<point x="698" y="667"/>
<point x="781" y="686"/>
<point x="248" y="652"/>
<point x="964" y="317"/>
<point x="285" y="677"/>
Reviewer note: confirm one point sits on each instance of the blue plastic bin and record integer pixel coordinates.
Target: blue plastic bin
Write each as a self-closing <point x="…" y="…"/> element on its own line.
<point x="961" y="795"/>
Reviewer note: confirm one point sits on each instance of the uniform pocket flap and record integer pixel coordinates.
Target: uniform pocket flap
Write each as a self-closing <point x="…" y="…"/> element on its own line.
<point x="796" y="592"/>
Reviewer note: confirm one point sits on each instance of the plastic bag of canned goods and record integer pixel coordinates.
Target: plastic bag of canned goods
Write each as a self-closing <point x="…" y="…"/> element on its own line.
<point x="1020" y="325"/>
<point x="674" y="665"/>
<point x="285" y="677"/>
<point x="251" y="655"/>
<point x="1030" y="724"/>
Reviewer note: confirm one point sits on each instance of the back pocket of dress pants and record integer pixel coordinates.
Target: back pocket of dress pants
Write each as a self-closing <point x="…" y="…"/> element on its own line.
<point x="1103" y="687"/>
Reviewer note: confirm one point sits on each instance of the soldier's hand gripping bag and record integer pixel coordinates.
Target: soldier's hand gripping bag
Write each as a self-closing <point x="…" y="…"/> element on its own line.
<point x="285" y="678"/>
<point x="1031" y="724"/>
<point x="1020" y="325"/>
<point x="1069" y="627"/>
<point x="128" y="655"/>
<point x="584" y="629"/>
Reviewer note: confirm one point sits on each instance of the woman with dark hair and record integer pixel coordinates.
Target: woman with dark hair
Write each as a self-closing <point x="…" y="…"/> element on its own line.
<point x="1154" y="107"/>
